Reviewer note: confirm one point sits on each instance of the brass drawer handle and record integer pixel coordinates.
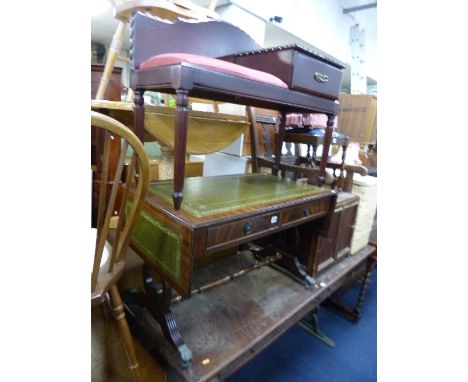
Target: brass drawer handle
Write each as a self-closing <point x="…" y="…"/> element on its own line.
<point x="248" y="228"/>
<point x="320" y="77"/>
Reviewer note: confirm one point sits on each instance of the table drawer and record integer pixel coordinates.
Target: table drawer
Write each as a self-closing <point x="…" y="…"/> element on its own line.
<point x="305" y="212"/>
<point x="240" y="230"/>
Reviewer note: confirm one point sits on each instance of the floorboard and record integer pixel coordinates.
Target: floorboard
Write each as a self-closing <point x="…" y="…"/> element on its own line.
<point x="108" y="359"/>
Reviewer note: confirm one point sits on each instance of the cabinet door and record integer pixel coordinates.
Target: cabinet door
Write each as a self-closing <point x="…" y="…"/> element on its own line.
<point x="345" y="231"/>
<point x="329" y="249"/>
<point x="326" y="245"/>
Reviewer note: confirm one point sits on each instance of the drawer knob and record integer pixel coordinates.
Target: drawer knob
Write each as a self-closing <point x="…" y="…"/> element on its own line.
<point x="306" y="211"/>
<point x="248" y="228"/>
<point x="320" y="77"/>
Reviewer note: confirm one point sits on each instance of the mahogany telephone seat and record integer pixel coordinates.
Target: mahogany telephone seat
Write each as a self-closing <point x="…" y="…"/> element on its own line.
<point x="195" y="71"/>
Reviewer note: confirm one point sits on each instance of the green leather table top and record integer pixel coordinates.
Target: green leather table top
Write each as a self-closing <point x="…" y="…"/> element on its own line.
<point x="213" y="195"/>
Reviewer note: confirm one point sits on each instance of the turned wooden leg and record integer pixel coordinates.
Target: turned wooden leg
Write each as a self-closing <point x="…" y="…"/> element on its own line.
<point x="119" y="315"/>
<point x="341" y="178"/>
<point x="158" y="296"/>
<point x="279" y="143"/>
<point x="309" y="162"/>
<point x="326" y="148"/>
<point x="139" y="115"/>
<point x="364" y="286"/>
<point x="267" y="140"/>
<point x="314" y="154"/>
<point x="352" y="313"/>
<point x="288" y="149"/>
<point x="180" y="145"/>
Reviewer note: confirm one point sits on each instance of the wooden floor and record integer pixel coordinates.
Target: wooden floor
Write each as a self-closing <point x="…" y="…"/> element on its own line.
<point x="226" y="326"/>
<point x="108" y="360"/>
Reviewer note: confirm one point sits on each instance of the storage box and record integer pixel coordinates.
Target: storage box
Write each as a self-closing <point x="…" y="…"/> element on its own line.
<point x="301" y="68"/>
<point x="366" y="188"/>
<point x="357" y="117"/>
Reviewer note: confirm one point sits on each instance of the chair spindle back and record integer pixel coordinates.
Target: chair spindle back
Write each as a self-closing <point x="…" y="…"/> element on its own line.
<point x="136" y="179"/>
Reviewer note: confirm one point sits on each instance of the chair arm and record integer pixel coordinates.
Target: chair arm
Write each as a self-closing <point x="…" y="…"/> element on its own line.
<point x="350" y="170"/>
<point x="361" y="170"/>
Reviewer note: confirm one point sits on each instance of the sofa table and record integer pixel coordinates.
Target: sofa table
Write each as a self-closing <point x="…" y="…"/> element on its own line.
<point x="219" y="215"/>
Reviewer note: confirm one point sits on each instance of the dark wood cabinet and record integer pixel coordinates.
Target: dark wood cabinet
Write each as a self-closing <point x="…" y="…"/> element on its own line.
<point x="318" y="250"/>
<point x="112" y="94"/>
<point x="328" y="249"/>
<point x="97" y="136"/>
<point x="113" y="88"/>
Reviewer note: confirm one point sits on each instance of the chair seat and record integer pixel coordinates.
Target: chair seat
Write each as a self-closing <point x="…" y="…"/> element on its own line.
<point x="105" y="253"/>
<point x="105" y="278"/>
<point x="213" y="64"/>
<point x="105" y="281"/>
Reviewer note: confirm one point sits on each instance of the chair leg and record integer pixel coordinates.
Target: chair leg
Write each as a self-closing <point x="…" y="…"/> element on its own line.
<point x="119" y="315"/>
<point x="180" y="145"/>
<point x="112" y="56"/>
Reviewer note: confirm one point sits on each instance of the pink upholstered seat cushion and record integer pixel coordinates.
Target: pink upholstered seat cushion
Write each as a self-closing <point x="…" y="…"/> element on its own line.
<point x="214" y="64"/>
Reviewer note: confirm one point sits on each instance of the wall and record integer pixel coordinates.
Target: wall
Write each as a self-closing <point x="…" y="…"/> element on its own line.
<point x="252" y="25"/>
<point x="321" y="23"/>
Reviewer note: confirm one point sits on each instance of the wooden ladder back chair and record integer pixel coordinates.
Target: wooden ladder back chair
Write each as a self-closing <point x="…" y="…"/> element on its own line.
<point x="263" y="156"/>
<point x="183" y="58"/>
<point x="111" y="243"/>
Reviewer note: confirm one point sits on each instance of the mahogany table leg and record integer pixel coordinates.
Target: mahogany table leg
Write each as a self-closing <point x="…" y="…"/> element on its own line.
<point x="139" y="115"/>
<point x="158" y="296"/>
<point x="180" y="143"/>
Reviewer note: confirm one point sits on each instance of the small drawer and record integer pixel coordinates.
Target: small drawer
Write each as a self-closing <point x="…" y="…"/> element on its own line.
<point x="317" y="77"/>
<point x="305" y="212"/>
<point x="240" y="230"/>
<point x="299" y="68"/>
